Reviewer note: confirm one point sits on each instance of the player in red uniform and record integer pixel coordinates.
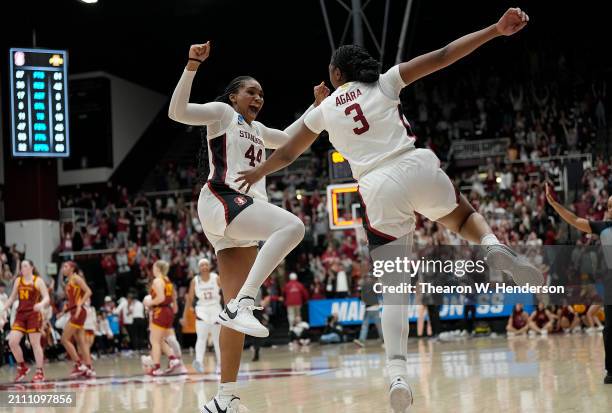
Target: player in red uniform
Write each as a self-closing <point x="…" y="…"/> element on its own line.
<point x="77" y="292"/>
<point x="33" y="297"/>
<point x="163" y="308"/>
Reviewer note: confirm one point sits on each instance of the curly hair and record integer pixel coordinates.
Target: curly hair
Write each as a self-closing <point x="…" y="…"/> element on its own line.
<point x="356" y="64"/>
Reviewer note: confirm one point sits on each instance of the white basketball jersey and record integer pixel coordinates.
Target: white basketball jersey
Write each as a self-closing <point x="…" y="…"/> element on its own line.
<point x="365" y="122"/>
<point x="208" y="292"/>
<point x="240" y="147"/>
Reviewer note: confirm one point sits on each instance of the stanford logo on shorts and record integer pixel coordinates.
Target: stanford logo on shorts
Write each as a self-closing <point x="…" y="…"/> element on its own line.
<point x="240" y="201"/>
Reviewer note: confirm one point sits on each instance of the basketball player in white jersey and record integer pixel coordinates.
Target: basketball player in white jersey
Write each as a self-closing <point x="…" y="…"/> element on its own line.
<point x="206" y="288"/>
<point x="365" y="124"/>
<point x="233" y="221"/>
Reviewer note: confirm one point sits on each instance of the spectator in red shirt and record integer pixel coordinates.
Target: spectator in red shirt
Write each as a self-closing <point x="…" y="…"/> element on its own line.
<point x="349" y="246"/>
<point x="317" y="290"/>
<point x="154" y="234"/>
<point x="110" y="273"/>
<point x="295" y="295"/>
<point x="103" y="228"/>
<point x="329" y="256"/>
<point x="123" y="228"/>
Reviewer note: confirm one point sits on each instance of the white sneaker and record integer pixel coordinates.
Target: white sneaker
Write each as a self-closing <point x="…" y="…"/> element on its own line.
<point x="544" y="332"/>
<point x="531" y="333"/>
<point x="175" y="366"/>
<point x="511" y="334"/>
<point x="197" y="366"/>
<point x="147" y="362"/>
<point x="238" y="315"/>
<point x="577" y="330"/>
<point x="599" y="328"/>
<point x="501" y="258"/>
<point x="216" y="406"/>
<point x="400" y="393"/>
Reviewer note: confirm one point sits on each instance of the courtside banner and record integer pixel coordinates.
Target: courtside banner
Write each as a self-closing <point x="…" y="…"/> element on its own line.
<point x="350" y="311"/>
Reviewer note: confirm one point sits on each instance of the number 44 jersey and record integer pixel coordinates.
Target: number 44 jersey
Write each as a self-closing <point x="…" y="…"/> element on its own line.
<point x="239" y="147"/>
<point x="365" y="121"/>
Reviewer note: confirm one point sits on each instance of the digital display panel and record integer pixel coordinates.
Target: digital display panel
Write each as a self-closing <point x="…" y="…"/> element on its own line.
<point x="39" y="103"/>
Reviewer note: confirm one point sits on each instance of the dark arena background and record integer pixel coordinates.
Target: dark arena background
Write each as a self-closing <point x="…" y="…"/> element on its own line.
<point x="94" y="172"/>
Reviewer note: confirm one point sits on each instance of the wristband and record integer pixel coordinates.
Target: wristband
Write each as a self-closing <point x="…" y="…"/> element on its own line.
<point x="196" y="60"/>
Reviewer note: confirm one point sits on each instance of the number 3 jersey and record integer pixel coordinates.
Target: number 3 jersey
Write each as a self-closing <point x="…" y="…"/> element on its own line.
<point x="365" y="122"/>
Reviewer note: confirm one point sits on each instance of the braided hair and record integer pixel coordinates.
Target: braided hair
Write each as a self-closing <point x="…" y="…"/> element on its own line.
<point x="356" y="64"/>
<point x="231" y="88"/>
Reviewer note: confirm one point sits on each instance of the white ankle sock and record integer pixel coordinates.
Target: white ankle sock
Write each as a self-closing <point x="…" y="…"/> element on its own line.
<point x="245" y="299"/>
<point x="226" y="391"/>
<point x="396" y="368"/>
<point x="489" y="239"/>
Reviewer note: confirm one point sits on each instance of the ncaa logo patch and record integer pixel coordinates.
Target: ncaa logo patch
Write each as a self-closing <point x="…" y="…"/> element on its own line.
<point x="240" y="200"/>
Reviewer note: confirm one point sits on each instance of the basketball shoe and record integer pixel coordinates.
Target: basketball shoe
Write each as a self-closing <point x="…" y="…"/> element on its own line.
<point x="22" y="372"/>
<point x="400" y="393"/>
<point x="39" y="376"/>
<point x="501" y="258"/>
<point x="197" y="366"/>
<point x="216" y="405"/>
<point x="78" y="370"/>
<point x="238" y="315"/>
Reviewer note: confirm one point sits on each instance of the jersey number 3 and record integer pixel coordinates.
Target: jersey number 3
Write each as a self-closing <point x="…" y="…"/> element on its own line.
<point x="250" y="154"/>
<point x="359" y="117"/>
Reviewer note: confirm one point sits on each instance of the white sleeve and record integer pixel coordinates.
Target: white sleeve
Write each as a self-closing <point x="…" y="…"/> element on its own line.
<point x="314" y="120"/>
<point x="295" y="126"/>
<point x="273" y="138"/>
<point x="391" y="82"/>
<point x="182" y="111"/>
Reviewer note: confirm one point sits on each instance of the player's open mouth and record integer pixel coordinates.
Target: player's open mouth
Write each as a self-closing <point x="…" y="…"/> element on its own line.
<point x="254" y="109"/>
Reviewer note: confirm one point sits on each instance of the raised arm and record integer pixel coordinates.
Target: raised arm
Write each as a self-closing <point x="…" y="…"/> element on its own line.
<point x="567" y="215"/>
<point x="511" y="22"/>
<point x="181" y="110"/>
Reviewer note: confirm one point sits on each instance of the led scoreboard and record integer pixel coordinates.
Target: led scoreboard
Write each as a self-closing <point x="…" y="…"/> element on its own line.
<point x="339" y="168"/>
<point x="39" y="103"/>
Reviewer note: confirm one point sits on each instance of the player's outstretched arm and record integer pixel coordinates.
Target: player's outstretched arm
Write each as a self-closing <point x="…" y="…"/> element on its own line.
<point x="180" y="109"/>
<point x="567" y="215"/>
<point x="511" y="22"/>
